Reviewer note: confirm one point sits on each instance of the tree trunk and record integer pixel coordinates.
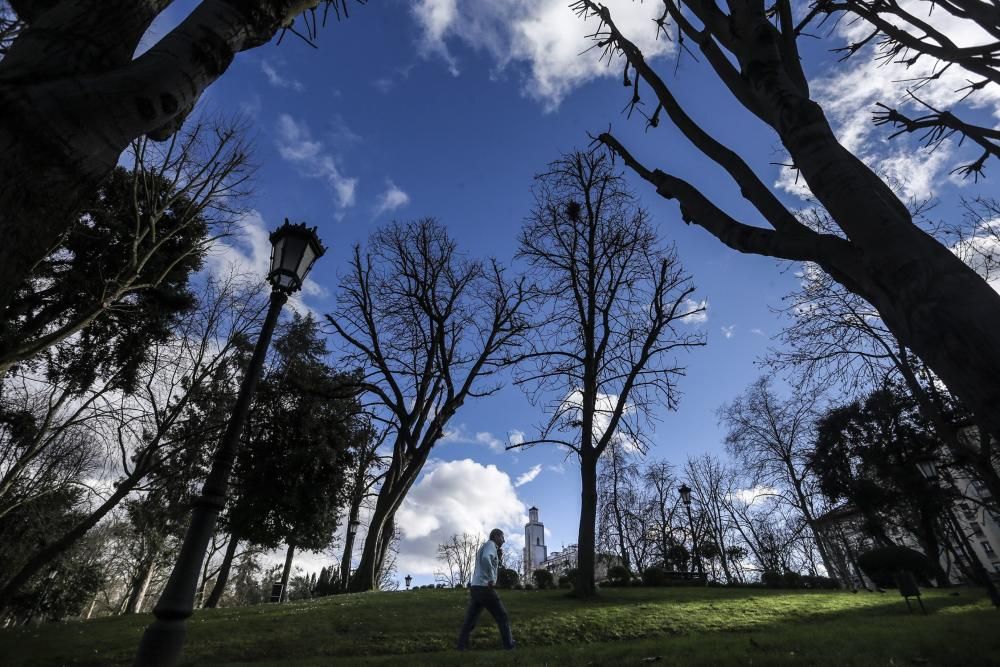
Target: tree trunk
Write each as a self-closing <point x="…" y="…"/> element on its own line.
<point x="386" y="541"/>
<point x="398" y="480"/>
<point x="929" y="541"/>
<point x="223" y="577"/>
<point x="345" y="560"/>
<point x="586" y="539"/>
<point x="287" y="572"/>
<point x="141" y="584"/>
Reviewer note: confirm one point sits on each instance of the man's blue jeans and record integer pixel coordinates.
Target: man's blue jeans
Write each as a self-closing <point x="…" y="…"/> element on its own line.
<point x="484" y="597"/>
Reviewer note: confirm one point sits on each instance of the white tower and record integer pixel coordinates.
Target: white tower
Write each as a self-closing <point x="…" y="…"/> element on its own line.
<point x="535" y="551"/>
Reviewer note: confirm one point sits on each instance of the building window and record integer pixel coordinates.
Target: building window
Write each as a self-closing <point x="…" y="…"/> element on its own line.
<point x="538" y="541"/>
<point x="996" y="567"/>
<point x="987" y="547"/>
<point x="976" y="528"/>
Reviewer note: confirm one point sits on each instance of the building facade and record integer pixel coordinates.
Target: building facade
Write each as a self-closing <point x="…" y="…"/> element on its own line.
<point x="969" y="521"/>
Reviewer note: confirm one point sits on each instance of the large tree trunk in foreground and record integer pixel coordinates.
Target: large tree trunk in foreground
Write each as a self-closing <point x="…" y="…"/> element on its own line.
<point x="72" y="98"/>
<point x="223" y="577"/>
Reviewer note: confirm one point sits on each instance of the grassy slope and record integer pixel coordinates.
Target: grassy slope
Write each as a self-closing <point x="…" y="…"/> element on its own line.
<point x="683" y="626"/>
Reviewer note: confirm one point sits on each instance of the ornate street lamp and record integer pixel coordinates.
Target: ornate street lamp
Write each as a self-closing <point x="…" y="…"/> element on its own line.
<point x="686" y="499"/>
<point x="407" y="579"/>
<point x="295" y="248"/>
<point x="928" y="470"/>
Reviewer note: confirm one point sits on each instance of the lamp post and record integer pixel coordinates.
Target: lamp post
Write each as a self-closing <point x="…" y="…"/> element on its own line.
<point x="345" y="561"/>
<point x="294" y="250"/>
<point x="407" y="579"/>
<point x="928" y="469"/>
<point x="686" y="499"/>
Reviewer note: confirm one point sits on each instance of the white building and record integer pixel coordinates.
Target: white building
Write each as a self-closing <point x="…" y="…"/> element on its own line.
<point x="535" y="551"/>
<point x="842" y="531"/>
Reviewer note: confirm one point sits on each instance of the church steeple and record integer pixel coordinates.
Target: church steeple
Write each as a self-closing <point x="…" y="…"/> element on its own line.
<point x="535" y="551"/>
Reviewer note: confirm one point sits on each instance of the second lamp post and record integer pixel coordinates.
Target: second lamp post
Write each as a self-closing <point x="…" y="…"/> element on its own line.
<point x="294" y="250"/>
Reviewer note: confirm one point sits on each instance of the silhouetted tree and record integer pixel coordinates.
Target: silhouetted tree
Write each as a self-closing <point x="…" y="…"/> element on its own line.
<point x="612" y="302"/>
<point x="430" y="329"/>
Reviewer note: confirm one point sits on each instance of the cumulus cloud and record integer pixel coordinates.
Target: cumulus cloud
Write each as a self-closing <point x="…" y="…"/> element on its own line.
<point x="545" y="37"/>
<point x="461" y="435"/>
<point x="296" y="145"/>
<point x="455" y="497"/>
<point x="526" y="477"/>
<point x="697" y="311"/>
<point x="728" y="331"/>
<point x="277" y="80"/>
<point x="391" y="199"/>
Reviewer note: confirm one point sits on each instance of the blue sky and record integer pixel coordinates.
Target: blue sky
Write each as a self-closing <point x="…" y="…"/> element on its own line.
<point x="447" y="108"/>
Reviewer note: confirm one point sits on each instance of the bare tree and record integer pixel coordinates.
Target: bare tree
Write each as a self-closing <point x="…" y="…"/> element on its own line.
<point x="69" y="105"/>
<point x="713" y="484"/>
<point x="666" y="520"/>
<point x="612" y="311"/>
<point x="770" y="439"/>
<point x="624" y="509"/>
<point x="932" y="302"/>
<point x="458" y="559"/>
<point x="429" y="329"/>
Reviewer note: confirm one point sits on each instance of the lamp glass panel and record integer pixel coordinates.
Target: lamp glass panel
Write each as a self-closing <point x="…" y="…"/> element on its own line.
<point x="295" y="246"/>
<point x="308" y="257"/>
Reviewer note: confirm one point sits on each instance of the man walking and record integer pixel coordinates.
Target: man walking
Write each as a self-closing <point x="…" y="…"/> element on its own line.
<point x="483" y="595"/>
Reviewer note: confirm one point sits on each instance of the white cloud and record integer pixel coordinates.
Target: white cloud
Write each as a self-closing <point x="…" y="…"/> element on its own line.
<point x="848" y="94"/>
<point x="455" y="497"/>
<point x="545" y="36"/>
<point x="526" y="477"/>
<point x="697" y="311"/>
<point x="460" y="435"/>
<point x="728" y="331"/>
<point x="296" y="145"/>
<point x="279" y="81"/>
<point x="754" y="494"/>
<point x="391" y="199"/>
<point x="757" y="332"/>
<point x="248" y="252"/>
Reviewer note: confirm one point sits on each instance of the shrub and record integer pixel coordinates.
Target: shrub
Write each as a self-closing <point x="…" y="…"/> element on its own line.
<point x="637" y="581"/>
<point x="507" y="578"/>
<point x="619" y="575"/>
<point x="882" y="563"/>
<point x="518" y="587"/>
<point x="529" y="587"/>
<point x="654" y="576"/>
<point x="543" y="579"/>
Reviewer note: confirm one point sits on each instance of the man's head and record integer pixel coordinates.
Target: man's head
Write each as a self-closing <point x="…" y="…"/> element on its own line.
<point x="497" y="536"/>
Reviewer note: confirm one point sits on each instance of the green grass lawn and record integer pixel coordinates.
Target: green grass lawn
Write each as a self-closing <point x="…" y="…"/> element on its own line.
<point x="662" y="626"/>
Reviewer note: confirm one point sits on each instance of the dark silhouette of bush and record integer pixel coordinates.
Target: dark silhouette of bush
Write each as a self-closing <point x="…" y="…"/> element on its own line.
<point x="654" y="576"/>
<point x="507" y="578"/>
<point x="543" y="579"/>
<point x="619" y="575"/>
<point x="882" y="563"/>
